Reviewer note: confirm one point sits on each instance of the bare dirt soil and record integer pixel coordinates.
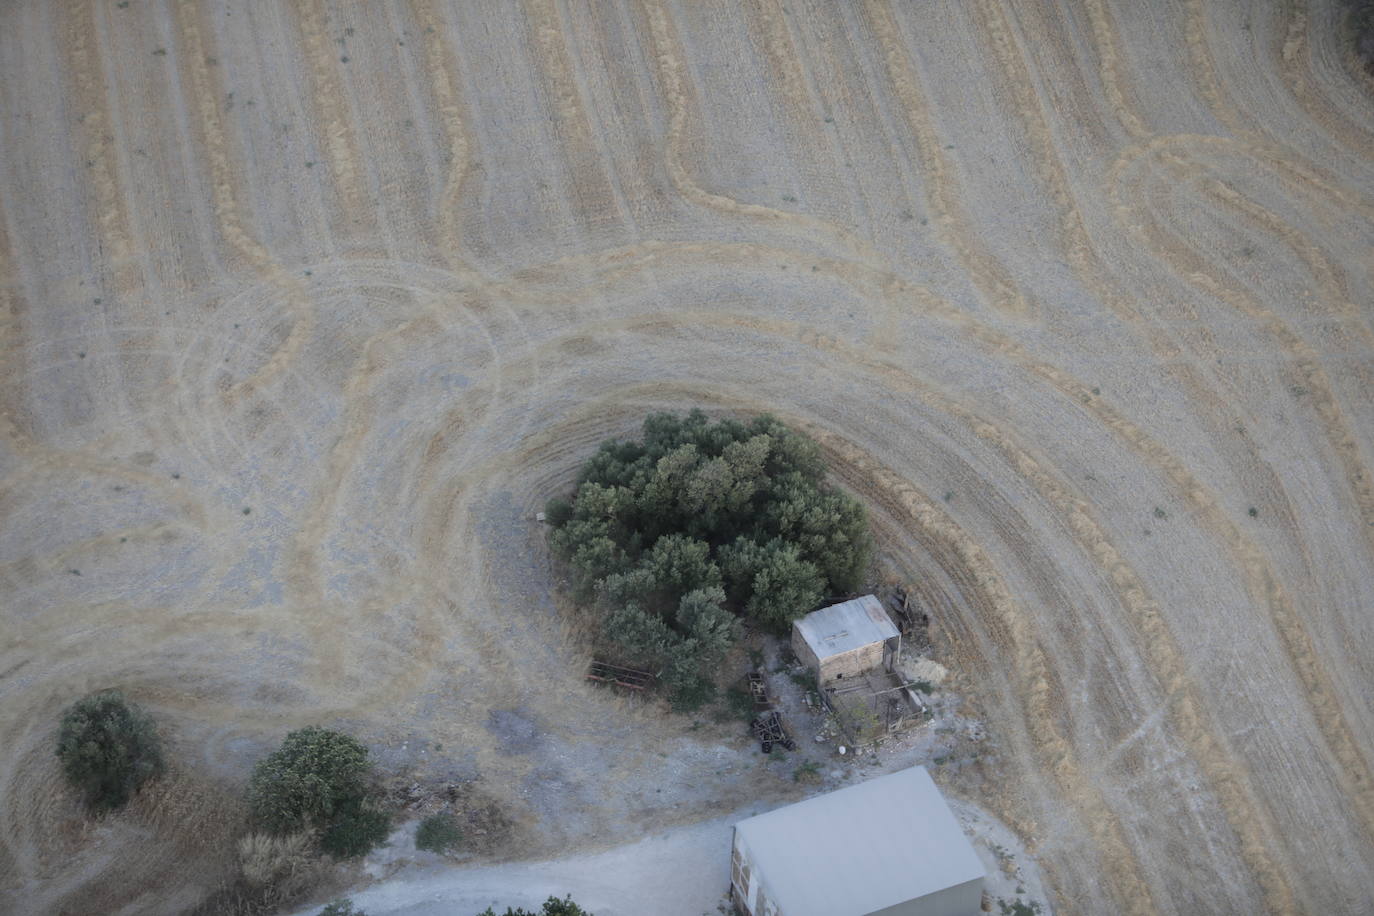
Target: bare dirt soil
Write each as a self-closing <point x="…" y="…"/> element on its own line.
<point x="307" y="307"/>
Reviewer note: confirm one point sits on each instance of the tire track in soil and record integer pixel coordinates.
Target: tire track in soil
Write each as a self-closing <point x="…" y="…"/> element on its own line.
<point x="989" y="275"/>
<point x="598" y="204"/>
<point x="205" y="92"/>
<point x="304" y="579"/>
<point x="1297" y="642"/>
<point x="1277" y="156"/>
<point x="1246" y="818"/>
<point x="667" y="58"/>
<point x="302" y="576"/>
<point x="89" y="90"/>
<point x="1191" y="267"/>
<point x="41" y="461"/>
<point x="439" y="66"/>
<point x="341" y="143"/>
<point x="1294" y="67"/>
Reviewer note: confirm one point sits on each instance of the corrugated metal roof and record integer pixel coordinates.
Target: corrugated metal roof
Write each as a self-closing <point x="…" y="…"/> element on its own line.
<point x="861" y="848"/>
<point x="849" y="625"/>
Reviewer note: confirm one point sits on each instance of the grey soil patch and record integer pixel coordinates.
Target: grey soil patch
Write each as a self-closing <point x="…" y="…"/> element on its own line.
<point x="515" y="732"/>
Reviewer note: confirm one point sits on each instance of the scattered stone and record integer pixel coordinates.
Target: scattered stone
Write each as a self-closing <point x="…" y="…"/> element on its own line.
<point x="925" y="669"/>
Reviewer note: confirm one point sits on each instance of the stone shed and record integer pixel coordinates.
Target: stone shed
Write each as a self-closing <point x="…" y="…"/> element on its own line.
<point x="846" y="640"/>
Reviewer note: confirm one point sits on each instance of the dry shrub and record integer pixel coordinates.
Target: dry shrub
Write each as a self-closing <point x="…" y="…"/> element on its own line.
<point x="484" y="822"/>
<point x="266" y="860"/>
<point x="198" y="815"/>
<point x="273" y="872"/>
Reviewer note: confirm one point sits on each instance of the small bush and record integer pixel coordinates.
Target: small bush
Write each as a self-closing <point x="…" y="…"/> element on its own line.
<point x="108" y="748"/>
<point x="552" y="907"/>
<point x="737" y="703"/>
<point x="689" y="688"/>
<point x="558" y="512"/>
<point x="356" y="831"/>
<point x="342" y="907"/>
<point x="439" y="833"/>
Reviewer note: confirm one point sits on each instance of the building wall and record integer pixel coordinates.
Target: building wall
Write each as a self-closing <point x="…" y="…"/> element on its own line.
<point x="803" y="651"/>
<point x="852" y="663"/>
<point x="752" y="896"/>
<point x="960" y="900"/>
<point x="849" y="664"/>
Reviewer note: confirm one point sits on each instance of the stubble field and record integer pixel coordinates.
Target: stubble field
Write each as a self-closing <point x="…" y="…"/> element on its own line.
<point x="308" y="307"/>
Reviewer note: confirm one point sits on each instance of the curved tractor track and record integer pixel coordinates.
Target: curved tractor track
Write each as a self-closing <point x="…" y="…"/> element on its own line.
<point x="306" y="308"/>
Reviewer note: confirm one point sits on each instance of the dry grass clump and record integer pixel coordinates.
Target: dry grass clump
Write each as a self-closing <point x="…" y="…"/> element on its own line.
<point x="275" y="861"/>
<point x="273" y="872"/>
<point x="199" y="815"/>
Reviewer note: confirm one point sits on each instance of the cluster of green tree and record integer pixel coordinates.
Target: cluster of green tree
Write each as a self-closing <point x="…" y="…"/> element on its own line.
<point x="676" y="536"/>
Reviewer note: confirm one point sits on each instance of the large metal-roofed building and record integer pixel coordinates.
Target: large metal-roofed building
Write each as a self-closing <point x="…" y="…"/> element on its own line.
<point x="846" y="639"/>
<point x="888" y="846"/>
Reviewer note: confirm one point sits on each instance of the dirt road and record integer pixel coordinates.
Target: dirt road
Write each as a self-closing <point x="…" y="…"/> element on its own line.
<point x="682" y="872"/>
<point x="306" y="308"/>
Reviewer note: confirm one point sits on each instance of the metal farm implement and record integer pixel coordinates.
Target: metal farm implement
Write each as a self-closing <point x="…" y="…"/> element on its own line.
<point x="758" y="689"/>
<point x="769" y="730"/>
<point x="628" y="678"/>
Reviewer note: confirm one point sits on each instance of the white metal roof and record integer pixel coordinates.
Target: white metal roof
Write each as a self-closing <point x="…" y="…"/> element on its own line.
<point x="861" y="848"/>
<point x="842" y="627"/>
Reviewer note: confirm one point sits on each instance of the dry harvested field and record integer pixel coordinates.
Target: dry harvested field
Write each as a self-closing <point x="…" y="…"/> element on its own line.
<point x="309" y="306"/>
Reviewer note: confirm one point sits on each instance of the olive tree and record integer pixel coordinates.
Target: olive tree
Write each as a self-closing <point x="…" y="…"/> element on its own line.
<point x="318" y="779"/>
<point x="108" y="748"/>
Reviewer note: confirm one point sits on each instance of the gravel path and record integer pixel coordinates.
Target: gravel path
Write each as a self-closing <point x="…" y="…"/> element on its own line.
<point x="681" y="872"/>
